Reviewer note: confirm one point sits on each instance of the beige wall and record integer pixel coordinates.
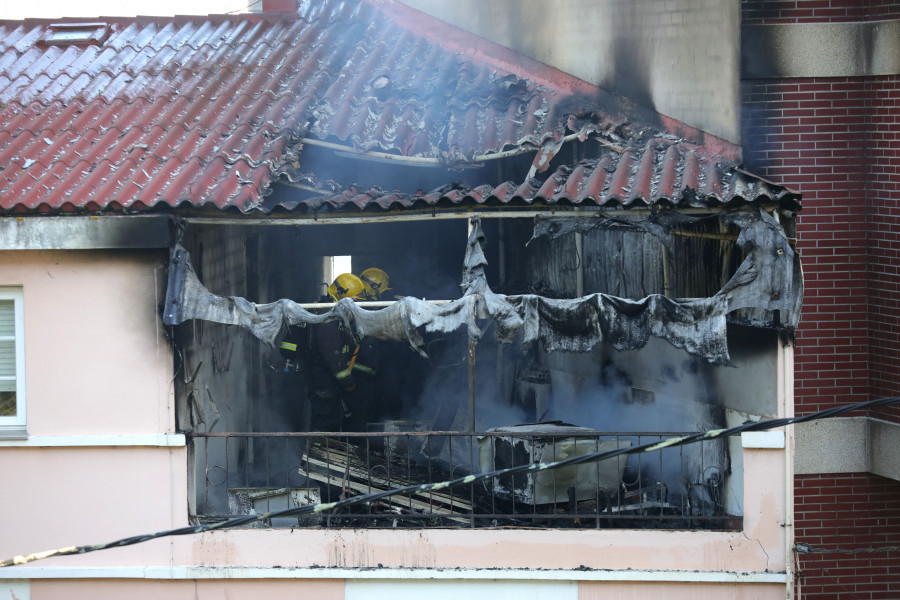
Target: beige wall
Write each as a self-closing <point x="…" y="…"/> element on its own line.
<point x="61" y="496"/>
<point x="98" y="378"/>
<point x="681" y="57"/>
<point x="186" y="590"/>
<point x="96" y="358"/>
<point x="678" y="591"/>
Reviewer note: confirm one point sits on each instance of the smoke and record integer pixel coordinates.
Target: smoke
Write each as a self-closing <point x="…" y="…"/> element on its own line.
<point x="645" y="392"/>
<point x="642" y="396"/>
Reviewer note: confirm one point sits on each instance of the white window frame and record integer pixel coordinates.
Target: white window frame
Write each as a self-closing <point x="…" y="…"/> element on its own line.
<point x="14" y="426"/>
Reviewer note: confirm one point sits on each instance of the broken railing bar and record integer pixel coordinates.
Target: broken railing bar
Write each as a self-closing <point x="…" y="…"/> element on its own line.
<point x="466" y="480"/>
<point x="725" y="237"/>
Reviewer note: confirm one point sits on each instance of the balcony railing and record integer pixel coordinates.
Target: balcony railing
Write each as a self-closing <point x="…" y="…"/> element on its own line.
<point x="253" y="473"/>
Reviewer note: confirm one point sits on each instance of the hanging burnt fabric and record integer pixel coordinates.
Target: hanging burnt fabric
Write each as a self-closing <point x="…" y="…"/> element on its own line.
<point x="768" y="278"/>
<point x="697" y="326"/>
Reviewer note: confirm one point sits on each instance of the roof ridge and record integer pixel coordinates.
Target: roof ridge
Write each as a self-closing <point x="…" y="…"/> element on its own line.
<point x="268" y="17"/>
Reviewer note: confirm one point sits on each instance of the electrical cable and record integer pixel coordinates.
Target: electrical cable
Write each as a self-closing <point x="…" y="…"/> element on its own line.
<point x="466" y="480"/>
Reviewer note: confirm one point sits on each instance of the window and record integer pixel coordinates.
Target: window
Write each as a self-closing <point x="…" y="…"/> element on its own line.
<point x="67" y="34"/>
<point x="12" y="363"/>
<point x="339" y="264"/>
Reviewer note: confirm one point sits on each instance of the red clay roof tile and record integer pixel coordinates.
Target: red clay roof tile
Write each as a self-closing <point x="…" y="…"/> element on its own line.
<point x="207" y="110"/>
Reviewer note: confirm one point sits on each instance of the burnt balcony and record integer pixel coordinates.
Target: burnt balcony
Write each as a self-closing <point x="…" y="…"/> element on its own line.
<point x="254" y="473"/>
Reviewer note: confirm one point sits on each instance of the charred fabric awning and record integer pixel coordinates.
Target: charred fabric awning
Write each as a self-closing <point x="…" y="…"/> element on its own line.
<point x="764" y="280"/>
<point x="767" y="279"/>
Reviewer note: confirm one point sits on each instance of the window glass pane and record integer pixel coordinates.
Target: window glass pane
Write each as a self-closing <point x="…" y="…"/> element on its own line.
<point x="7" y="317"/>
<point x="7" y="403"/>
<point x="7" y="358"/>
<point x="11" y="405"/>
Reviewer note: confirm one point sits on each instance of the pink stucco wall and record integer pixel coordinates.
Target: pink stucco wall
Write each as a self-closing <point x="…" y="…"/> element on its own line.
<point x="61" y="497"/>
<point x="677" y="591"/>
<point x="334" y="590"/>
<point x="96" y="358"/>
<point x="188" y="590"/>
<point x="97" y="364"/>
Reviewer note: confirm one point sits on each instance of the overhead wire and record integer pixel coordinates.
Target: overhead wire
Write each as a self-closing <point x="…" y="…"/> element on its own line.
<point x="465" y="480"/>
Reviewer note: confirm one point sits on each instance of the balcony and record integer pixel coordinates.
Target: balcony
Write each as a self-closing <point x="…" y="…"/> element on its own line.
<point x="254" y="473"/>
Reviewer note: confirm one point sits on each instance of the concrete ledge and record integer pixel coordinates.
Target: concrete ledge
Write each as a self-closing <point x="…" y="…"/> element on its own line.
<point x="830" y="446"/>
<point x="847" y="445"/>
<point x="854" y="49"/>
<point x="89" y="441"/>
<point x="84" y="233"/>
<point x="884" y="442"/>
<point x="13" y="433"/>
<point x="762" y="439"/>
<point x="201" y="572"/>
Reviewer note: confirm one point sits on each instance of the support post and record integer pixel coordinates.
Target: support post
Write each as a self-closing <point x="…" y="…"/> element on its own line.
<point x="471" y="354"/>
<point x="579" y="272"/>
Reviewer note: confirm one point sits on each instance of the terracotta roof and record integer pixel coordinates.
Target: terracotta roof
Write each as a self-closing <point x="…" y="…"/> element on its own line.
<point x="148" y="112"/>
<point x="657" y="171"/>
<point x="155" y="111"/>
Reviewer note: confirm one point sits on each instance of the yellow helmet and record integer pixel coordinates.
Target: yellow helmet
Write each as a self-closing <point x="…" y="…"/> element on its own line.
<point x="346" y="285"/>
<point x="376" y="282"/>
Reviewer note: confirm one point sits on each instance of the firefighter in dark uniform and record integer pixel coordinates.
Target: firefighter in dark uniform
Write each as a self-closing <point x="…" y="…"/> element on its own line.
<point x="341" y="386"/>
<point x="339" y="364"/>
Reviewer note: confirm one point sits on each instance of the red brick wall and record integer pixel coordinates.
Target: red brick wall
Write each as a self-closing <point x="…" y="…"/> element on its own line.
<point x="837" y="141"/>
<point x="849" y="512"/>
<point x="754" y="12"/>
<point x="808" y="134"/>
<point x="883" y="156"/>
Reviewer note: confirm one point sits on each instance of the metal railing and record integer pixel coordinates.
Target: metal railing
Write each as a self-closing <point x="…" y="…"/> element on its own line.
<point x="251" y="473"/>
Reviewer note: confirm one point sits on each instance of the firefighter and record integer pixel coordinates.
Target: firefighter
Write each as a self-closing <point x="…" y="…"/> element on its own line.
<point x="341" y="386"/>
<point x="396" y="385"/>
<point x="376" y="282"/>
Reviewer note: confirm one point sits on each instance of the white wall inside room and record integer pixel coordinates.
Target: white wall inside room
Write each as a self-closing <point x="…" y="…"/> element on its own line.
<point x="341" y="264"/>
